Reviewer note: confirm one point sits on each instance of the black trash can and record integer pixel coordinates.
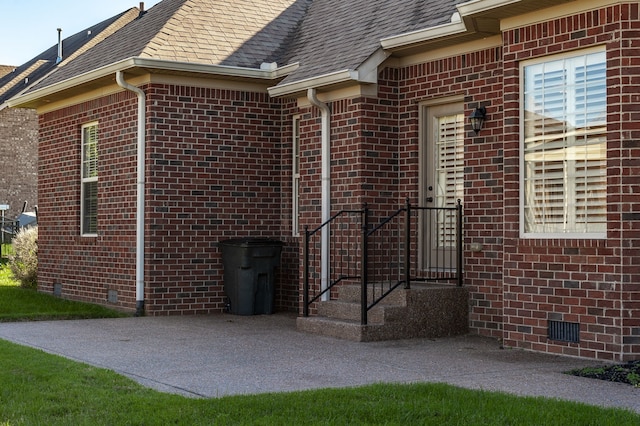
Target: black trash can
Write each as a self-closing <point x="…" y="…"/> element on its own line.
<point x="249" y="274"/>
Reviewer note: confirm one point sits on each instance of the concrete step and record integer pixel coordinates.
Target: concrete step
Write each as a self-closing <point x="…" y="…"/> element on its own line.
<point x="351" y="293"/>
<point x="343" y="329"/>
<point x="350" y="311"/>
<point x="426" y="310"/>
<point x="324" y="326"/>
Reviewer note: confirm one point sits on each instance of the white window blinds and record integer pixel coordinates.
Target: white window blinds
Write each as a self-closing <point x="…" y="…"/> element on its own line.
<point x="564" y="147"/>
<point x="89" y="198"/>
<point x="449" y="172"/>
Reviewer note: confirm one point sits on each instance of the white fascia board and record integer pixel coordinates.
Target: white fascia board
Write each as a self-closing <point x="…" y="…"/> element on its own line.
<point x="368" y="70"/>
<point x="477" y="6"/>
<point x="314" y="82"/>
<point x="455" y="27"/>
<point x="157" y="64"/>
<point x="407" y="39"/>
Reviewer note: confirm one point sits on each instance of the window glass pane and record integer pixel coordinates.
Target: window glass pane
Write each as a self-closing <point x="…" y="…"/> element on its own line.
<point x="90" y="207"/>
<point x="89" y="189"/>
<point x="90" y="152"/>
<point x="564" y="147"/>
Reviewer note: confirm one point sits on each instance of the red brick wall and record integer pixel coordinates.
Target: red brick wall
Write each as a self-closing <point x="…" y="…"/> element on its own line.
<point x="591" y="282"/>
<point x="87" y="267"/>
<point x="478" y="77"/>
<point x="214" y="171"/>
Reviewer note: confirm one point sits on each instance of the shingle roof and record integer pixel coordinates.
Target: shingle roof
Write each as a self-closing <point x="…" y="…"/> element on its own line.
<point x="241" y="33"/>
<point x="321" y="35"/>
<point x="25" y="75"/>
<point x="338" y="35"/>
<point x="6" y="69"/>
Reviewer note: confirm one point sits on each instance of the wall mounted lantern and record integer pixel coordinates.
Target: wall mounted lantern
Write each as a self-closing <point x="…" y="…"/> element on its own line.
<point x="477" y="117"/>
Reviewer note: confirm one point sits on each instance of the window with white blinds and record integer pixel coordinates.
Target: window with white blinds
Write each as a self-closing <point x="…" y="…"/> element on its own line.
<point x="449" y="172"/>
<point x="89" y="186"/>
<point x="564" y="147"/>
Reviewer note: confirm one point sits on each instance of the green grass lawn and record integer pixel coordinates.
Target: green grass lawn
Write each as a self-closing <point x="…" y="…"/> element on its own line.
<point x="37" y="388"/>
<point x="19" y="304"/>
<point x="43" y="389"/>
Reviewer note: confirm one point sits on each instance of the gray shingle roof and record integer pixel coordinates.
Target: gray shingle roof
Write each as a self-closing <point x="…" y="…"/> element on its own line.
<point x="241" y="33"/>
<point x="338" y="35"/>
<point x="322" y="35"/>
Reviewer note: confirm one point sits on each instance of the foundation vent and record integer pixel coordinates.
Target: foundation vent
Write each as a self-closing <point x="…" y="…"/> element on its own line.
<point x="112" y="296"/>
<point x="564" y="331"/>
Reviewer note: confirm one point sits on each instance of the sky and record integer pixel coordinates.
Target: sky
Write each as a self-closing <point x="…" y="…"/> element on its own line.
<point x="29" y="27"/>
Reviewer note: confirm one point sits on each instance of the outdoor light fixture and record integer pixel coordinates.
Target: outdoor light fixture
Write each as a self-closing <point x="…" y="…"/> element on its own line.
<point x="477" y="117"/>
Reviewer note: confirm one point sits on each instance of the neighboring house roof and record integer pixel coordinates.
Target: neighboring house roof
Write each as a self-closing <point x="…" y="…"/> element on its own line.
<point x="21" y="78"/>
<point x="6" y="69"/>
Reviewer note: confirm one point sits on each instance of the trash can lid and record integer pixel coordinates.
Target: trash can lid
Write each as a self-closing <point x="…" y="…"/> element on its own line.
<point x="251" y="241"/>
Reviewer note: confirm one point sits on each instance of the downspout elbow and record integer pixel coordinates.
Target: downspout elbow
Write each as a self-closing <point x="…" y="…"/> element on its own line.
<point x="140" y="186"/>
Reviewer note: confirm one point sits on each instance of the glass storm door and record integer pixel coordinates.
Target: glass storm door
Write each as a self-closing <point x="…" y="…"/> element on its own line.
<point x="443" y="185"/>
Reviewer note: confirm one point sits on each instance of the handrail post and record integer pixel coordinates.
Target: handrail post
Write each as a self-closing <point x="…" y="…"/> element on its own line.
<point x="364" y="263"/>
<point x="459" y="242"/>
<point x="305" y="290"/>
<point x="407" y="247"/>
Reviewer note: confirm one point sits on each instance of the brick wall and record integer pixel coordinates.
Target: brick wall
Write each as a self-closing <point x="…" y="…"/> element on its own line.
<point x="478" y="78"/>
<point x="88" y="267"/>
<point x="18" y="159"/>
<point x="213" y="173"/>
<point x="590" y="282"/>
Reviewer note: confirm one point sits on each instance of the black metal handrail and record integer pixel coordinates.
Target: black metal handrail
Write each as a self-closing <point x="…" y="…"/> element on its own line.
<point x="341" y="273"/>
<point x="384" y="257"/>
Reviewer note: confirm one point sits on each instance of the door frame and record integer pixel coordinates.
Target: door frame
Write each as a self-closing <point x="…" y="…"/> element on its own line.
<point x="425" y="152"/>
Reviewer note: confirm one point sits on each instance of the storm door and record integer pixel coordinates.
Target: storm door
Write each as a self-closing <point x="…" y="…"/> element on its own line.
<point x="443" y="183"/>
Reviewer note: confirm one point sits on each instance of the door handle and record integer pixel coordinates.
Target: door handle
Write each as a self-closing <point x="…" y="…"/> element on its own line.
<point x="429" y="199"/>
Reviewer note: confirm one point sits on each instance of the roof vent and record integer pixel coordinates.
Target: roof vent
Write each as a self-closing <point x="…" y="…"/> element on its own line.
<point x="59" y="58"/>
<point x="269" y="66"/>
<point x="88" y="33"/>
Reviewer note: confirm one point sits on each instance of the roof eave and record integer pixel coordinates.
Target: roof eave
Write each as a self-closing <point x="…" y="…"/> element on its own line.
<point x="421" y="36"/>
<point x="333" y="79"/>
<point x="31" y="99"/>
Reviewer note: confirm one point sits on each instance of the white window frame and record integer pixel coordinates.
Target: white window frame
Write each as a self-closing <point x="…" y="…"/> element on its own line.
<point x="295" y="173"/>
<point x="574" y="234"/>
<point x="87" y="178"/>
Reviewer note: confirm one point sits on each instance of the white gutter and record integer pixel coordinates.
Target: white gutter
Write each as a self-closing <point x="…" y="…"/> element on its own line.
<point x="407" y="39"/>
<point x="317" y="81"/>
<point x="140" y="191"/>
<point x="477" y="6"/>
<point x="325" y="186"/>
<point x="156" y="64"/>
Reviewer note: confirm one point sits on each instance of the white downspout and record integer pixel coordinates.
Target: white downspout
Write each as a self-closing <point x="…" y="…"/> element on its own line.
<point x="325" y="186"/>
<point x="140" y="191"/>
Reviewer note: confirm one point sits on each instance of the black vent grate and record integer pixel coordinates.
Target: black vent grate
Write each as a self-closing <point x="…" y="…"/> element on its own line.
<point x="564" y="331"/>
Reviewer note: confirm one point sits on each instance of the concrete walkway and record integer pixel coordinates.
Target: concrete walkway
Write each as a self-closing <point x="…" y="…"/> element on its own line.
<point x="212" y="356"/>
